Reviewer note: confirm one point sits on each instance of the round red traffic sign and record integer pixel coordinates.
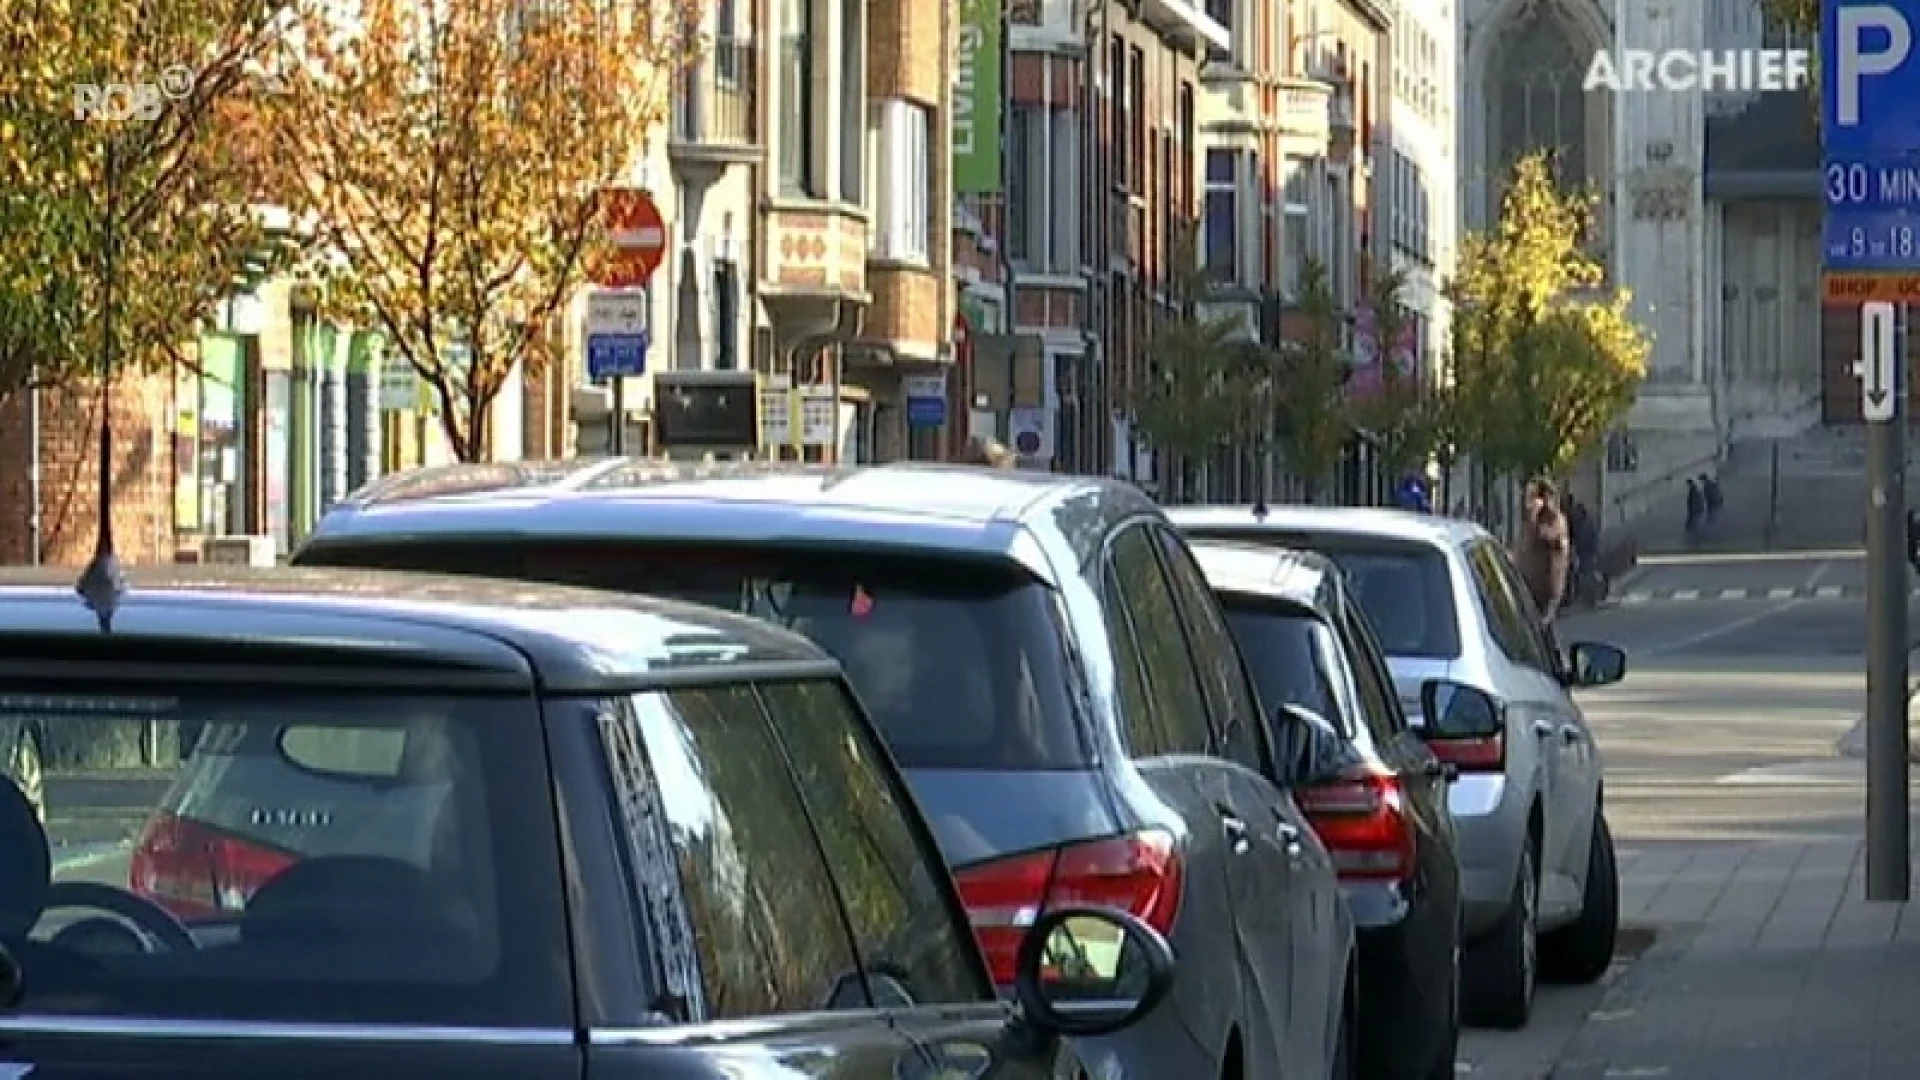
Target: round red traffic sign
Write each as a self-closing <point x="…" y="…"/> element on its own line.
<point x="637" y="235"/>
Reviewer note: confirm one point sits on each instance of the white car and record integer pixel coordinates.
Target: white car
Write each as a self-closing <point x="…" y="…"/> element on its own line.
<point x="1469" y="658"/>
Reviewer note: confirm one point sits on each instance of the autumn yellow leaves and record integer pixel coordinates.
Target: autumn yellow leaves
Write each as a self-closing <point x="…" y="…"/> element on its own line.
<point x="442" y="163"/>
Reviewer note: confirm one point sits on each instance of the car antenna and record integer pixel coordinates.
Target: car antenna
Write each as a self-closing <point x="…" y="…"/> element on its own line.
<point x="103" y="584"/>
<point x="1260" y="510"/>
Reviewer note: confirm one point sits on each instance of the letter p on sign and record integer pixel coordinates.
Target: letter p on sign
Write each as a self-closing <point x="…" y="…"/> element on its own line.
<point x="1855" y="63"/>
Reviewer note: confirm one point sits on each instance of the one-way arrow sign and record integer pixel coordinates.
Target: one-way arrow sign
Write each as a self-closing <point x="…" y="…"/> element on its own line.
<point x="1877" y="366"/>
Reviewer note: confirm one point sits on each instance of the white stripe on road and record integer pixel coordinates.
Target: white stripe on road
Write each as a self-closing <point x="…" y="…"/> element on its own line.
<point x="1779" y="594"/>
<point x="1636" y="598"/>
<point x="1733" y="594"/>
<point x="1829" y="592"/>
<point x="1686" y="594"/>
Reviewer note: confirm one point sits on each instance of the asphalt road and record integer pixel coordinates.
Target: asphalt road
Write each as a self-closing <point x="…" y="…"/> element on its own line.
<point x="1725" y="728"/>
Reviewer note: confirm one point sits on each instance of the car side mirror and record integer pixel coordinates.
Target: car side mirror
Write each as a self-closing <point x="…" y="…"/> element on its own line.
<point x="1090" y="971"/>
<point x="1458" y="711"/>
<point x="1591" y="663"/>
<point x="1316" y="752"/>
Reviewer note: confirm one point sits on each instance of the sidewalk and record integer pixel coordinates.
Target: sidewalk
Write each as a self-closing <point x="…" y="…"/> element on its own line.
<point x="1768" y="965"/>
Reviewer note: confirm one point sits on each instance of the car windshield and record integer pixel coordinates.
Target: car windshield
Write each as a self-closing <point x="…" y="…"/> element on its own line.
<point x="1284" y="650"/>
<point x="279" y="855"/>
<point x="960" y="663"/>
<point x="1404" y="588"/>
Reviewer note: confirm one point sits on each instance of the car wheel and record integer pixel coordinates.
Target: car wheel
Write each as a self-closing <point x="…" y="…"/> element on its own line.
<point x="23" y="766"/>
<point x="1502" y="969"/>
<point x="1582" y="951"/>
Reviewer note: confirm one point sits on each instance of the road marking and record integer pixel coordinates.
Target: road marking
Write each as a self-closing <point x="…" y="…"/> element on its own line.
<point x="1686" y="594"/>
<point x="1829" y="592"/>
<point x="1725" y="628"/>
<point x="1827" y="773"/>
<point x="1636" y="598"/>
<point x="1733" y="594"/>
<point x="1779" y="594"/>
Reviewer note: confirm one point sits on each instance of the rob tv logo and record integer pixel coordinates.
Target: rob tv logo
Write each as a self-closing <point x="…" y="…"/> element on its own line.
<point x="114" y="102"/>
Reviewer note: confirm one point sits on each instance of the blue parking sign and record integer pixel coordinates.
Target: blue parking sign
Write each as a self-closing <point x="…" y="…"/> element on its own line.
<point x="616" y="356"/>
<point x="1870" y="134"/>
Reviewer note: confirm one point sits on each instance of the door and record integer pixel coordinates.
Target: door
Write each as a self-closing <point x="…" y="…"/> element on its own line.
<point x="909" y="930"/>
<point x="1527" y="677"/>
<point x="758" y="901"/>
<point x="1296" y="870"/>
<point x="1576" y="759"/>
<point x="1227" y="924"/>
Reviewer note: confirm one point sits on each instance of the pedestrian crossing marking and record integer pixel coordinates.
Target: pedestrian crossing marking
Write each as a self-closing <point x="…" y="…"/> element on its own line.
<point x="1821" y="592"/>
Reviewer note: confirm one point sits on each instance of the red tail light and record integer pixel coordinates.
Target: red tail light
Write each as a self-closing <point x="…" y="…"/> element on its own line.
<point x="1139" y="873"/>
<point x="1364" y="823"/>
<point x="197" y="871"/>
<point x="1472" y="755"/>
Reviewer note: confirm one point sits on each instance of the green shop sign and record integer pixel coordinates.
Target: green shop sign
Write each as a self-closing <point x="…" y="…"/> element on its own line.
<point x="976" y="100"/>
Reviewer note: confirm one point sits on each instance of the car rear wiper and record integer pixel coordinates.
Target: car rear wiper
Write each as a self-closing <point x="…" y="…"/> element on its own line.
<point x="12" y="980"/>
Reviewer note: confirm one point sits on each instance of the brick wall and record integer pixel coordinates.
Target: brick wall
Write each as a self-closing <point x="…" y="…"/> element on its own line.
<point x="143" y="470"/>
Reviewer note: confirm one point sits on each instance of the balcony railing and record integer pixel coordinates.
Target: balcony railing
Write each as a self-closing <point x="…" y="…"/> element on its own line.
<point x="717" y="108"/>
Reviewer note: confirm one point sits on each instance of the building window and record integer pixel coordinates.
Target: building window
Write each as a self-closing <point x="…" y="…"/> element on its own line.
<point x="853" y="46"/>
<point x="1023" y="145"/>
<point x="798" y="174"/>
<point x="1062" y="158"/>
<point x="1222" y="222"/>
<point x="903" y="137"/>
<point x="1182" y="195"/>
<point x="726" y="41"/>
<point x="726" y="315"/>
<point x="1137" y="136"/>
<point x="1123" y="106"/>
<point x="1296" y="237"/>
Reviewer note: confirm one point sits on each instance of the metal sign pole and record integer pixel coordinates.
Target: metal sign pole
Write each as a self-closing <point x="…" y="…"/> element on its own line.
<point x="1883" y="344"/>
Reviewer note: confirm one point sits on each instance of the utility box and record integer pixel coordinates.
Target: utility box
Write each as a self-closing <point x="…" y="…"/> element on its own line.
<point x="239" y="551"/>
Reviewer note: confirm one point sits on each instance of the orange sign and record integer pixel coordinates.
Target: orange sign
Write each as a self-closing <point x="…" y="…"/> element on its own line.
<point x="639" y="236"/>
<point x="1851" y="290"/>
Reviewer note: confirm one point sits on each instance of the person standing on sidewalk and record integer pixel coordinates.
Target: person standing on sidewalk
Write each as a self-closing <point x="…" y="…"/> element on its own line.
<point x="991" y="453"/>
<point x="1545" y="550"/>
<point x="1696" y="511"/>
<point x="1710" y="491"/>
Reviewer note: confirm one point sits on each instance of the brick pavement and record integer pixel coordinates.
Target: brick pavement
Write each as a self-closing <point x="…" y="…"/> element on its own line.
<point x="1769" y="965"/>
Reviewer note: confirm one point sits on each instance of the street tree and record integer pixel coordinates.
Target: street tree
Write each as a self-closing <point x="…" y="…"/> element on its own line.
<point x="1313" y="418"/>
<point x="122" y="161"/>
<point x="454" y="160"/>
<point x="1545" y="355"/>
<point x="1206" y="387"/>
<point x="1388" y="398"/>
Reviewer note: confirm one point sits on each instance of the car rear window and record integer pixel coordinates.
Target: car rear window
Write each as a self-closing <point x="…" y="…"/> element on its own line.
<point x="281" y="855"/>
<point x="961" y="663"/>
<point x="1284" y="650"/>
<point x="1404" y="588"/>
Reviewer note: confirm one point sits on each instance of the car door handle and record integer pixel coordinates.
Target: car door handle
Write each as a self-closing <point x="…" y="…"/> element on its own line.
<point x="1445" y="770"/>
<point x="1236" y="833"/>
<point x="1543" y="728"/>
<point x="1570" y="733"/>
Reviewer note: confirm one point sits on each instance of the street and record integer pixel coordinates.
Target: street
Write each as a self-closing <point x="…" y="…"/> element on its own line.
<point x="1737" y="800"/>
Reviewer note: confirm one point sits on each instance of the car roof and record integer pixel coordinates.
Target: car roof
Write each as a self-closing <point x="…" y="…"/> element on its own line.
<point x="1373" y="523"/>
<point x="1298" y="578"/>
<point x="562" y="639"/>
<point x="905" y="506"/>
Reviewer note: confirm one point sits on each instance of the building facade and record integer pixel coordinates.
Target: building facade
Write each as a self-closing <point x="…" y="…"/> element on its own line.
<point x="1711" y="218"/>
<point x="1420" y="208"/>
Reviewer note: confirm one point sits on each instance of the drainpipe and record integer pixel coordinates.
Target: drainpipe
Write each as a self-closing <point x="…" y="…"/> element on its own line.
<point x="33" y="468"/>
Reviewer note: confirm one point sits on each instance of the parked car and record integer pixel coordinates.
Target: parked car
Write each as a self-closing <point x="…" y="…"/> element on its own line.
<point x="454" y="828"/>
<point x="1044" y="659"/>
<point x="1377" y="794"/>
<point x="1537" y="859"/>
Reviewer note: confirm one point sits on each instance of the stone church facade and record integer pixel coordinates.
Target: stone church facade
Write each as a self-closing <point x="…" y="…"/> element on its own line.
<point x="1710" y="207"/>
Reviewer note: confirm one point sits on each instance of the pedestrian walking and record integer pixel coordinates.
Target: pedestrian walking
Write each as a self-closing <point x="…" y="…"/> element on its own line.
<point x="1696" y="511"/>
<point x="1545" y="550"/>
<point x="1710" y="490"/>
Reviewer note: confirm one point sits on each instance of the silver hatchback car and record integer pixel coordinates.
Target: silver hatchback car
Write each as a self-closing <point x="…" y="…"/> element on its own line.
<point x="1474" y="668"/>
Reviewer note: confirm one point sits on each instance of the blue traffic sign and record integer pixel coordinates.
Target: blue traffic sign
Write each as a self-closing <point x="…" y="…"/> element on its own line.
<point x="615" y="356"/>
<point x="1870" y="134"/>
